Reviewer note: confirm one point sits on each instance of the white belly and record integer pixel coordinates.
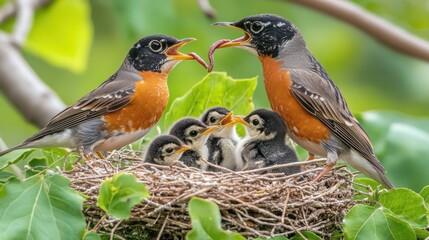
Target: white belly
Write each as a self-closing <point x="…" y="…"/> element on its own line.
<point x="119" y="141"/>
<point x="314" y="148"/>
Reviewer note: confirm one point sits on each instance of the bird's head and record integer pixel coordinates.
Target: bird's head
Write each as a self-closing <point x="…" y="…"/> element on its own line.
<point x="192" y="132"/>
<point x="158" y="53"/>
<point x="165" y="150"/>
<point x="264" y="34"/>
<point x="265" y="124"/>
<point x="224" y="119"/>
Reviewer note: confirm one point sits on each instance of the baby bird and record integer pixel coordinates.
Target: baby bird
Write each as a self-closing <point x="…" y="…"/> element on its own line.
<point x="165" y="150"/>
<point x="193" y="133"/>
<point x="222" y="142"/>
<point x="265" y="145"/>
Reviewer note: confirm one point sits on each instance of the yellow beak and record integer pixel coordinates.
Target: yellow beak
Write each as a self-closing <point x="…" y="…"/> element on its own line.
<point x="242" y="41"/>
<point x="173" y="51"/>
<point x="183" y="148"/>
<point x="209" y="130"/>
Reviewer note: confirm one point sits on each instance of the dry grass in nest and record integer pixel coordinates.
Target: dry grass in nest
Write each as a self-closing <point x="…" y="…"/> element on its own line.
<point x="251" y="203"/>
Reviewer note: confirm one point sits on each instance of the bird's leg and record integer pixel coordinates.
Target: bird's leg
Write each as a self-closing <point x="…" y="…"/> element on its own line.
<point x="99" y="154"/>
<point x="323" y="172"/>
<point x="330" y="163"/>
<point x="310" y="157"/>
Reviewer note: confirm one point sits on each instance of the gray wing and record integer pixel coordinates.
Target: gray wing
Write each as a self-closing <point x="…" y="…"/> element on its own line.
<point x="320" y="97"/>
<point x="108" y="97"/>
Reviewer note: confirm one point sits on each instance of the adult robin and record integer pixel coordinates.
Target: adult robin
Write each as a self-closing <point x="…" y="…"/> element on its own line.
<point x="193" y="133"/>
<point x="123" y="108"/>
<point x="265" y="144"/>
<point x="300" y="90"/>
<point x="165" y="150"/>
<point x="222" y="142"/>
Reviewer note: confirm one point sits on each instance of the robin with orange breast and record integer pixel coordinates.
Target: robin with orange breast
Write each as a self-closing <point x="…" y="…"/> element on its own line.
<point x="300" y="90"/>
<point x="123" y="108"/>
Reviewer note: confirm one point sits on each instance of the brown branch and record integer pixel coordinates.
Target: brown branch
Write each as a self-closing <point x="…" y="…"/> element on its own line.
<point x="376" y="27"/>
<point x="21" y="85"/>
<point x="207" y="9"/>
<point x="36" y="101"/>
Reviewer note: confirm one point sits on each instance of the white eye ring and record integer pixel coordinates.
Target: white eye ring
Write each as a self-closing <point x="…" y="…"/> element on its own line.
<point x="155" y="46"/>
<point x="256" y="27"/>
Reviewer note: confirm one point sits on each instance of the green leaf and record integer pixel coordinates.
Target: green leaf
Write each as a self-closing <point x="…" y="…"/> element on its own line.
<point x="37" y="165"/>
<point x="374" y="185"/>
<point x="91" y="235"/>
<point x="400" y="142"/>
<point x="216" y="89"/>
<point x="425" y="195"/>
<point x="43" y="207"/>
<point x="407" y="205"/>
<point x="365" y="222"/>
<point x="308" y="235"/>
<point x="120" y="193"/>
<point x="6" y="177"/>
<point x="206" y="222"/>
<point x="14" y="157"/>
<point x="62" y="34"/>
<point x="421" y="233"/>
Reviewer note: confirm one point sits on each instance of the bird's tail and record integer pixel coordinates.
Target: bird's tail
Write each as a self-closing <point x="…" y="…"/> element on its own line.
<point x="12" y="149"/>
<point x="372" y="169"/>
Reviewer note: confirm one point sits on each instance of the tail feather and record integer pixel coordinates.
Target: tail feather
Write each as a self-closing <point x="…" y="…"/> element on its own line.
<point x="20" y="146"/>
<point x="368" y="168"/>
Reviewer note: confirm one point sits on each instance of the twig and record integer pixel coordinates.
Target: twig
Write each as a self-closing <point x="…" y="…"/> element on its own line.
<point x="207" y="9"/>
<point x="112" y="234"/>
<point x="162" y="228"/>
<point x="376" y="27"/>
<point x="24" y="21"/>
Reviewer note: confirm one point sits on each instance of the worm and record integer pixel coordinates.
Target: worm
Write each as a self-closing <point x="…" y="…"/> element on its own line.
<point x="213" y="48"/>
<point x="199" y="59"/>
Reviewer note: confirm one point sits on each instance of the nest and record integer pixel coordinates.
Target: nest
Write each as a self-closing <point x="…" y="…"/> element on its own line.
<point x="251" y="203"/>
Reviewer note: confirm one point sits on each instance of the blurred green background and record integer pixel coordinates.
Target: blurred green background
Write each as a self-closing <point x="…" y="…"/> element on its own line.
<point x="370" y="76"/>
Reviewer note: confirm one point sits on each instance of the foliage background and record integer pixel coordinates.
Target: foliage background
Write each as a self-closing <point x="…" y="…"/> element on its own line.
<point x="370" y="76"/>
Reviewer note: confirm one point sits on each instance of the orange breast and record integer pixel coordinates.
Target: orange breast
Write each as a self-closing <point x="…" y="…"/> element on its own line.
<point x="298" y="120"/>
<point x="146" y="106"/>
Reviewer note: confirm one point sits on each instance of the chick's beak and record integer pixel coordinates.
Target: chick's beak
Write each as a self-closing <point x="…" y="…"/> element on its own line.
<point x="240" y="120"/>
<point x="226" y="120"/>
<point x="209" y="130"/>
<point x="183" y="148"/>
<point x="173" y="51"/>
<point x="241" y="41"/>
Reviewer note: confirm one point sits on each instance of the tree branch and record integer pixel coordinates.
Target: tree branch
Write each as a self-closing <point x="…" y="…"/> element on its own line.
<point x="36" y="101"/>
<point x="207" y="9"/>
<point x="9" y="10"/>
<point x="24" y="21"/>
<point x="378" y="28"/>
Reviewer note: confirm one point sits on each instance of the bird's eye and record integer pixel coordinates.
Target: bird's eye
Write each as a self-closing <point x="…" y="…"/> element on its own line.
<point x="155" y="46"/>
<point x="169" y="150"/>
<point x="193" y="133"/>
<point x="256" y="27"/>
<point x="212" y="119"/>
<point x="255" y="122"/>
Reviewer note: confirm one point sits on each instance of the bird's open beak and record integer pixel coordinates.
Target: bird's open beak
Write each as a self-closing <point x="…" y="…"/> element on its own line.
<point x="230" y="121"/>
<point x="183" y="148"/>
<point x="241" y="41"/>
<point x="173" y="51"/>
<point x="209" y="130"/>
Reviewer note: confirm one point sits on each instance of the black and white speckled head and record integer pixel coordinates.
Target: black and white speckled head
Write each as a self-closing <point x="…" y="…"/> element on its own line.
<point x="213" y="115"/>
<point x="191" y="131"/>
<point x="156" y="53"/>
<point x="266" y="122"/>
<point x="164" y="150"/>
<point x="265" y="34"/>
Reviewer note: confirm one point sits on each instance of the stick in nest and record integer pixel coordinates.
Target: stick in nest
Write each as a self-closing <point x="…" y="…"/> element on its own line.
<point x="251" y="203"/>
